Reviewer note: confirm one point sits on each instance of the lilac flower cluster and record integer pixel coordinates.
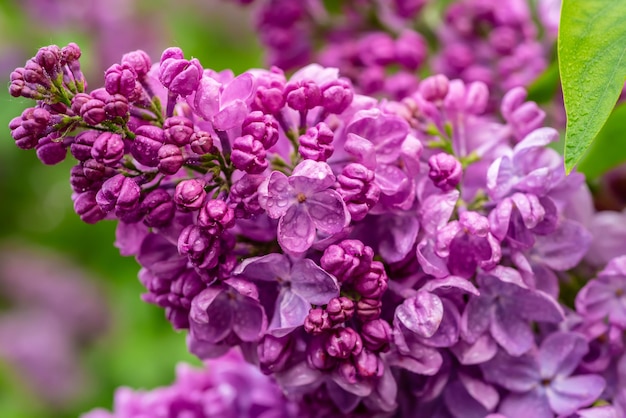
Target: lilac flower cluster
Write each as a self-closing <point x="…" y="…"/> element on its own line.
<point x="380" y="45"/>
<point x="226" y="388"/>
<point x="375" y="257"/>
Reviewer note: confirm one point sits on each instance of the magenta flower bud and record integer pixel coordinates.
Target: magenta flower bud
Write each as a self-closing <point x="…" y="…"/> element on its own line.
<point x="108" y="148"/>
<point x="19" y="86"/>
<point x="368" y="309"/>
<point x="93" y="112"/>
<point x="445" y="171"/>
<point x="121" y="79"/>
<point x="78" y="101"/>
<point x="177" y="74"/>
<point x="35" y="74"/>
<point x="178" y="130"/>
<point x="303" y="95"/>
<point x="317" y="143"/>
<point x="374" y="283"/>
<point x="340" y="309"/>
<point x="434" y="88"/>
<point x="49" y="58"/>
<point x="50" y="149"/>
<point x="139" y="61"/>
<point x="146" y="145"/>
<point x="274" y="352"/>
<point x="170" y="159"/>
<point x="116" y="106"/>
<point x="158" y="207"/>
<point x="100" y="94"/>
<point x="244" y="195"/>
<point x="337" y="95"/>
<point x="201" y="249"/>
<point x="94" y="170"/>
<point x="270" y="100"/>
<point x="216" y="216"/>
<point x="347" y="370"/>
<point x="477" y="97"/>
<point x="120" y="193"/>
<point x="70" y="53"/>
<point x="317" y="321"/>
<point x="27" y="129"/>
<point x="79" y="182"/>
<point x="249" y="155"/>
<point x="376" y="335"/>
<point x="357" y="188"/>
<point x="261" y="127"/>
<point x="189" y="194"/>
<point x="201" y="142"/>
<point x="410" y="49"/>
<point x="86" y="207"/>
<point x="317" y="356"/>
<point x="343" y="343"/>
<point x="83" y="142"/>
<point x="368" y="364"/>
<point x="347" y="260"/>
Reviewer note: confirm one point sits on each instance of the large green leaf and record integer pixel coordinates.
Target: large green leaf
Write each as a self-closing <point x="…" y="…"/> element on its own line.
<point x="592" y="62"/>
<point x="609" y="148"/>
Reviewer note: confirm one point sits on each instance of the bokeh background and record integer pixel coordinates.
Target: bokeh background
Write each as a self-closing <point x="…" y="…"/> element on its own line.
<point x="72" y="325"/>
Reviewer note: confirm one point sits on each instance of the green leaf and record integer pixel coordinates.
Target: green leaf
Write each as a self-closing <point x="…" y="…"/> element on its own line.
<point x="609" y="148"/>
<point x="592" y="63"/>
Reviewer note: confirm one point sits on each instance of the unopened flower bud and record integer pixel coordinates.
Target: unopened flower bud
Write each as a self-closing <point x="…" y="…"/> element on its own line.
<point x="303" y="95"/>
<point x="139" y="61"/>
<point x="86" y="207"/>
<point x="216" y="216"/>
<point x="270" y="100"/>
<point x="201" y="142"/>
<point x="317" y="143"/>
<point x="249" y="155"/>
<point x="261" y="127"/>
<point x="116" y="106"/>
<point x="108" y="148"/>
<point x="170" y="159"/>
<point x="434" y="88"/>
<point x="337" y="95"/>
<point x="368" y="309"/>
<point x="178" y="130"/>
<point x="120" y="193"/>
<point x="146" y="145"/>
<point x="340" y="309"/>
<point x="94" y="170"/>
<point x="158" y="207"/>
<point x="368" y="364"/>
<point x="376" y="335"/>
<point x="274" y="352"/>
<point x="317" y="321"/>
<point x="343" y="342"/>
<point x="121" y="79"/>
<point x="445" y="171"/>
<point x="50" y="149"/>
<point x="374" y="283"/>
<point x="93" y="112"/>
<point x="347" y="260"/>
<point x="83" y="142"/>
<point x="189" y="194"/>
<point x="177" y="74"/>
<point x="317" y="356"/>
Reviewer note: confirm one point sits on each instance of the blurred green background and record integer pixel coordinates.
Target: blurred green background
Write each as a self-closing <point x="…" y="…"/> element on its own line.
<point x="137" y="347"/>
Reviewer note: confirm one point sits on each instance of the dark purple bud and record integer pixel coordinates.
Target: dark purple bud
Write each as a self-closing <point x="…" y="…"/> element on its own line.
<point x="261" y="127"/>
<point x="249" y="155"/>
<point x="317" y="143"/>
<point x="177" y="74"/>
<point x="23" y="138"/>
<point x="434" y="88"/>
<point x="445" y="171"/>
<point x="50" y="149"/>
<point x="215" y="216"/>
<point x="158" y="207"/>
<point x="317" y="321"/>
<point x="83" y="142"/>
<point x="244" y="195"/>
<point x="178" y="130"/>
<point x="93" y="112"/>
<point x="374" y="283"/>
<point x="184" y="288"/>
<point x="317" y="356"/>
<point x="189" y="194"/>
<point x="108" y="148"/>
<point x="86" y="207"/>
<point x="340" y="309"/>
<point x="35" y="74"/>
<point x="120" y="193"/>
<point x="116" y="106"/>
<point x="337" y="95"/>
<point x="201" y="142"/>
<point x="146" y="145"/>
<point x="270" y="100"/>
<point x="121" y="79"/>
<point x="201" y="249"/>
<point x="27" y="129"/>
<point x="347" y="260"/>
<point x="138" y="61"/>
<point x="357" y="188"/>
<point x="343" y="343"/>
<point x="78" y="101"/>
<point x="170" y="159"/>
<point x="368" y="364"/>
<point x="303" y="95"/>
<point x="79" y="182"/>
<point x="274" y="352"/>
<point x="49" y="58"/>
<point x="376" y="335"/>
<point x="94" y="170"/>
<point x="70" y="53"/>
<point x="368" y="309"/>
<point x="19" y="86"/>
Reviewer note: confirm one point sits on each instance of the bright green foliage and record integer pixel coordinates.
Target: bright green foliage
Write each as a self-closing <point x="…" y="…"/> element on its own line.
<point x="609" y="148"/>
<point x="592" y="62"/>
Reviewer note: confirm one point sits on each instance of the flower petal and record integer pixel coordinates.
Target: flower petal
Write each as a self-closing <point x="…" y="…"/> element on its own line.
<point x="296" y="230"/>
<point x="312" y="283"/>
<point x="328" y="211"/>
